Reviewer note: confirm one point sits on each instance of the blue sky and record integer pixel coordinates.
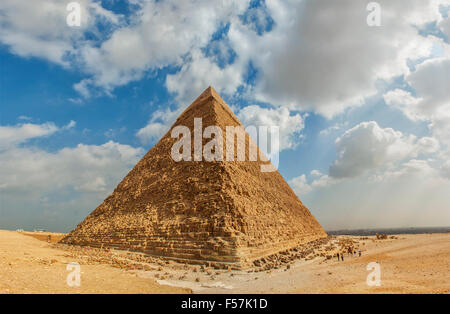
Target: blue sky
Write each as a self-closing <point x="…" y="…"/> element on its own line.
<point x="364" y="111"/>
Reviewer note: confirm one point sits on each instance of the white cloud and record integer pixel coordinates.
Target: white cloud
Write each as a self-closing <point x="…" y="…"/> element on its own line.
<point x="440" y="126"/>
<point x="38" y="185"/>
<point x="200" y="72"/>
<point x="404" y="101"/>
<point x="158" y="125"/>
<point x="426" y="145"/>
<point x="13" y="135"/>
<point x="446" y="170"/>
<point x="41" y="188"/>
<point x="96" y="185"/>
<point x="332" y="129"/>
<point x="82" y="87"/>
<point x="300" y="185"/>
<point x="377" y="181"/>
<point x="79" y="167"/>
<point x="444" y="25"/>
<point x="369" y="147"/>
<point x="290" y="126"/>
<point x="318" y="55"/>
<point x="161" y="34"/>
<point x="414" y="194"/>
<point x="322" y="56"/>
<point x="38" y="28"/>
<point x="316" y="173"/>
<point x="69" y="126"/>
<point x="152" y="132"/>
<point x="323" y="181"/>
<point x="430" y="81"/>
<point x="432" y="100"/>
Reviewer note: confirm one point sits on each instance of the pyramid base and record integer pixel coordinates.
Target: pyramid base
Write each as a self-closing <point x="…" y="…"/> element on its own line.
<point x="195" y="252"/>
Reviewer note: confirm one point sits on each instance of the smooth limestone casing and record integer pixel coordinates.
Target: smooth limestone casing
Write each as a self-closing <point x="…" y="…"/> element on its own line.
<point x="227" y="213"/>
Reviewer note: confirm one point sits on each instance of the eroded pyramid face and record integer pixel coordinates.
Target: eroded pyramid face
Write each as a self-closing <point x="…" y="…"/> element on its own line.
<point x="194" y="209"/>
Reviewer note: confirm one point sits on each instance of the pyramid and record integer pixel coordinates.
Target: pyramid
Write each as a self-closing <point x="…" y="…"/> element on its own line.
<point x="222" y="212"/>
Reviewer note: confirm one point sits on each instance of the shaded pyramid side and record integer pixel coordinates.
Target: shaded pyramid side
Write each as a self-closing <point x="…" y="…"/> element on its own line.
<point x="227" y="212"/>
<point x="270" y="217"/>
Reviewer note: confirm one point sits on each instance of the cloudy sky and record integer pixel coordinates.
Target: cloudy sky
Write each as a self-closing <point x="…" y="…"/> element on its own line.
<point x="364" y="110"/>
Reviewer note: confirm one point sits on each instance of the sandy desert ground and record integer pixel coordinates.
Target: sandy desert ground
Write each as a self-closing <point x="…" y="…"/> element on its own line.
<point x="408" y="264"/>
<point x="29" y="265"/>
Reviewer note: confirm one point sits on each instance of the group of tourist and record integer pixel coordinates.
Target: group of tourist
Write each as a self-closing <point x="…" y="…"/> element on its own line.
<point x="350" y="252"/>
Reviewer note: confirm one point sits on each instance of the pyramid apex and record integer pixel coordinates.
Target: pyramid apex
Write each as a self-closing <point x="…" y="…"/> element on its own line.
<point x="210" y="92"/>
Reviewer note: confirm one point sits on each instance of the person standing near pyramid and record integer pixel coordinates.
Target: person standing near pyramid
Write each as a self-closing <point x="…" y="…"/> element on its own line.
<point x="225" y="212"/>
